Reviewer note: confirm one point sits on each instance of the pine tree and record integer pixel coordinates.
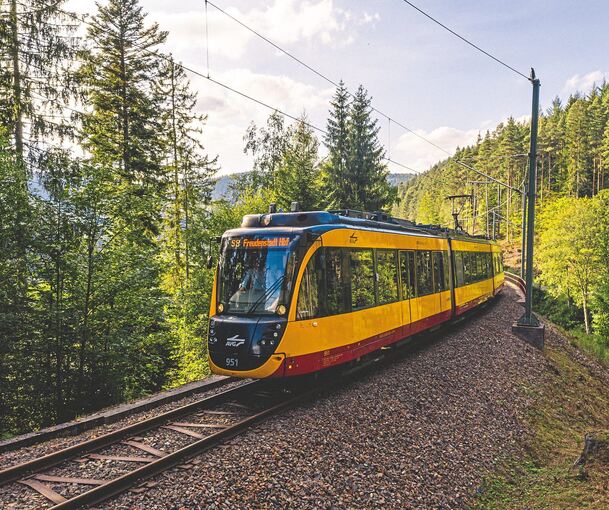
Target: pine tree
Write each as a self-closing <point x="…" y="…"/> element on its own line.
<point x="123" y="132"/>
<point x="298" y="176"/>
<point x="190" y="168"/>
<point x="128" y="345"/>
<point x="36" y="37"/>
<point x="17" y="324"/>
<point x="577" y="149"/>
<point x="552" y="148"/>
<point x="597" y="119"/>
<point x="366" y="184"/>
<point x="604" y="151"/>
<point x="190" y="195"/>
<point x="336" y="140"/>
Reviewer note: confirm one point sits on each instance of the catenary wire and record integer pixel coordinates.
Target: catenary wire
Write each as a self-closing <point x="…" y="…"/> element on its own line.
<point x="168" y="58"/>
<point x="333" y="82"/>
<point x="490" y="55"/>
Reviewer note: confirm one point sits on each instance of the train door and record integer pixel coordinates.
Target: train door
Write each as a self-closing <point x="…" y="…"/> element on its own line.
<point x="407" y="291"/>
<point x="426" y="306"/>
<point x="441" y="278"/>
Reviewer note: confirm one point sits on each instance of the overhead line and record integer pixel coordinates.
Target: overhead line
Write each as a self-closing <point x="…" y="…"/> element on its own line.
<point x="333" y="82"/>
<point x="320" y="74"/>
<point x="499" y="61"/>
<point x="168" y="58"/>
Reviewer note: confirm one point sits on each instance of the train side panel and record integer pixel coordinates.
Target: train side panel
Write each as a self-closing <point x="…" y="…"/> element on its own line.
<point x="314" y="344"/>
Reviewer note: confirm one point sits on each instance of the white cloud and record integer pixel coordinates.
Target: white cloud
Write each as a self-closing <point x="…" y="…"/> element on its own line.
<point x="420" y="155"/>
<point x="229" y="114"/>
<point x="583" y="83"/>
<point x="283" y="22"/>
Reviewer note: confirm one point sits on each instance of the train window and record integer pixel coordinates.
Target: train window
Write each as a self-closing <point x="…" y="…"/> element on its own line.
<point x="438" y="271"/>
<point x="424" y="273"/>
<point x="446" y="263"/>
<point x="335" y="281"/>
<point x="309" y="302"/>
<point x="467" y="268"/>
<point x="362" y="279"/>
<point x="407" y="274"/>
<point x="387" y="275"/>
<point x="459" y="277"/>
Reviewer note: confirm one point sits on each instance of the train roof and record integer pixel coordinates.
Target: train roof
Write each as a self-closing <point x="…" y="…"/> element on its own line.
<point x="321" y="221"/>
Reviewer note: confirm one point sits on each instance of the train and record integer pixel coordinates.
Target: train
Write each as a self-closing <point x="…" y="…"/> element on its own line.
<point x="298" y="292"/>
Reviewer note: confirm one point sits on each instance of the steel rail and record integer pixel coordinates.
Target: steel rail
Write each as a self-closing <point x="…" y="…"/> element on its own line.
<point x="124" y="482"/>
<point x="18" y="471"/>
<point x="516" y="281"/>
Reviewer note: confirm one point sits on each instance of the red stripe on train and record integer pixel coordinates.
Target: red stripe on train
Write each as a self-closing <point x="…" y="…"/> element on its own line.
<point x="316" y="361"/>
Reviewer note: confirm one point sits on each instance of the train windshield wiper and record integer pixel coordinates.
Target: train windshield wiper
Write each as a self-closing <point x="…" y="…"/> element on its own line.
<point x="267" y="293"/>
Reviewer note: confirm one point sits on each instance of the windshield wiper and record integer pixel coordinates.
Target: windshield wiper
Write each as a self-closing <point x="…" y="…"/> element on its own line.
<point x="267" y="293"/>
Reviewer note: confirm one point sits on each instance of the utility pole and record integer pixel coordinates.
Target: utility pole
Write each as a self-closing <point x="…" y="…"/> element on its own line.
<point x="486" y="209"/>
<point x="524" y="231"/>
<point x="528" y="326"/>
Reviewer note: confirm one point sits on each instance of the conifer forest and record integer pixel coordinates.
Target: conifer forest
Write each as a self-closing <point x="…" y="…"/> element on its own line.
<point x="107" y="217"/>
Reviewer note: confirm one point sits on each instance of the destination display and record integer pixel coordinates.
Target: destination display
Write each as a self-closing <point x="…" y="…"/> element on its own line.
<point x="256" y="243"/>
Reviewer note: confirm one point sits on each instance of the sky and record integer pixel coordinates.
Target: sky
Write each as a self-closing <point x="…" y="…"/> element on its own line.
<point x="416" y="73"/>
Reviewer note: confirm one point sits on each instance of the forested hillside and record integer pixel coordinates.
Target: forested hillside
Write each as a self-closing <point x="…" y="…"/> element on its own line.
<point x="572" y="260"/>
<point x="106" y="213"/>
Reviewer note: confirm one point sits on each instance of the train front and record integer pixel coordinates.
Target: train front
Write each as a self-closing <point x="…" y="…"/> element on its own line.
<point x="250" y="301"/>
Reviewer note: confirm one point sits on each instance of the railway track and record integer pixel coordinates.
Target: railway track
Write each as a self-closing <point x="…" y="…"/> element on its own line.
<point x="199" y="426"/>
<point x="136" y="455"/>
<point x="516" y="281"/>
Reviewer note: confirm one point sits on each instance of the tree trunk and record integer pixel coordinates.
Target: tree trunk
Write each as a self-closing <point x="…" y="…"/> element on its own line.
<point x="186" y="223"/>
<point x="17" y="105"/>
<point x="86" y="311"/>
<point x="176" y="175"/>
<point x="586" y="319"/>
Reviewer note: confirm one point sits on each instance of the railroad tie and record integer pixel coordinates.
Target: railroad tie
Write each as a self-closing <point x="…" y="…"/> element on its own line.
<point x="120" y="458"/>
<point x="201" y="425"/>
<point x="35" y="483"/>
<point x="184" y="431"/>
<point x="66" y="479"/>
<point x="146" y="448"/>
<point x="45" y="490"/>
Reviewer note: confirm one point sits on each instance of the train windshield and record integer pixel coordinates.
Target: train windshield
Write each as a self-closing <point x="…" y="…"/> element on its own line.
<point x="256" y="273"/>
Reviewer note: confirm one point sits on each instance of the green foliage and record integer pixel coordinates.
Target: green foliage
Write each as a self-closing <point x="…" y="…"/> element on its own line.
<point x="573" y="160"/>
<point x="336" y="172"/>
<point x="355" y="175"/>
<point x="267" y="145"/>
<point x="566" y="254"/>
<point x="298" y="176"/>
<point x="38" y="42"/>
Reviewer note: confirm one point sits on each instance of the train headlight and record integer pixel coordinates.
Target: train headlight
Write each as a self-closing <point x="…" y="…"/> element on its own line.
<point x="281" y="310"/>
<point x="265" y="221"/>
<point x="220" y="307"/>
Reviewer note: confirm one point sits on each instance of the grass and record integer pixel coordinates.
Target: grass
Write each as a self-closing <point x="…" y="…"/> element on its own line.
<point x="570" y="403"/>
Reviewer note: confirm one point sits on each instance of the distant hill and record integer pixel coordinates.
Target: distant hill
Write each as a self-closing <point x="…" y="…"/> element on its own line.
<point x="223" y="184"/>
<point x="397" y="179"/>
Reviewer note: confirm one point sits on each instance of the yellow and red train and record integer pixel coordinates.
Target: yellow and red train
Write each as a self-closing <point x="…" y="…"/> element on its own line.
<point x="298" y="292"/>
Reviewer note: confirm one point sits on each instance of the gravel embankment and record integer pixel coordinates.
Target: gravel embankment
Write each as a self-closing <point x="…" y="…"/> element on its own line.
<point x="419" y="433"/>
<point x="31" y="452"/>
